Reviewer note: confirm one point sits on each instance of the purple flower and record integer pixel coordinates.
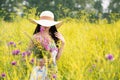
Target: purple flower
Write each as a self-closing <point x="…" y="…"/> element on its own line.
<point x="23" y="54"/>
<point x="32" y="61"/>
<point x="13" y="62"/>
<point x="45" y="44"/>
<point x="47" y="47"/>
<point x="3" y="75"/>
<point x="109" y="57"/>
<point x="42" y="29"/>
<point x="54" y="76"/>
<point x="15" y="52"/>
<point x="11" y="43"/>
<point x="26" y="53"/>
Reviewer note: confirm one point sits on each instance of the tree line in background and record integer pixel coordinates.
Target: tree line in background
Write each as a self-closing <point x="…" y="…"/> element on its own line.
<point x="92" y="9"/>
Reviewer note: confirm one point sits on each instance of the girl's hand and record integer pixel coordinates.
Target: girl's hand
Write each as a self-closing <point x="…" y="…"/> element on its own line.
<point x="60" y="37"/>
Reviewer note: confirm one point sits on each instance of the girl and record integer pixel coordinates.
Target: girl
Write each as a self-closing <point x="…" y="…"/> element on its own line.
<point x="46" y="39"/>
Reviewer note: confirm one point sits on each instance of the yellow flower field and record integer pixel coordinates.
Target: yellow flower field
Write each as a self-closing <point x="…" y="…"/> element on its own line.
<point x="92" y="51"/>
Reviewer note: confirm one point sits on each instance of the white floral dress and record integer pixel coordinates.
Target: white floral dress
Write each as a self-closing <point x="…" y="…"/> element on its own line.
<point x="46" y="73"/>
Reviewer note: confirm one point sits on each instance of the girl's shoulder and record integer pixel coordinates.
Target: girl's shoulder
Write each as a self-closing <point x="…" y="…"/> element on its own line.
<point x="35" y="35"/>
<point x="37" y="38"/>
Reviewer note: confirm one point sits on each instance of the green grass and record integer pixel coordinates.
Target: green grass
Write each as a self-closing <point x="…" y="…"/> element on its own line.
<point x="82" y="59"/>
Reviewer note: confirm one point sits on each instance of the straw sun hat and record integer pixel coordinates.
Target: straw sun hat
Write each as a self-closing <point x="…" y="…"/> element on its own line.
<point x="47" y="20"/>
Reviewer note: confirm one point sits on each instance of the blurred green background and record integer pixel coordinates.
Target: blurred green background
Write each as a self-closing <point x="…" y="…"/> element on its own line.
<point x="97" y="9"/>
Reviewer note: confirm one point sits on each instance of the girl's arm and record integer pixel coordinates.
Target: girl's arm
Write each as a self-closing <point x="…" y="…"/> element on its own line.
<point x="61" y="38"/>
<point x="60" y="51"/>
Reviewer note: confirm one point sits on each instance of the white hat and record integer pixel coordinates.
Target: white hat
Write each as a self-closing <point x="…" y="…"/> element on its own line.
<point x="47" y="20"/>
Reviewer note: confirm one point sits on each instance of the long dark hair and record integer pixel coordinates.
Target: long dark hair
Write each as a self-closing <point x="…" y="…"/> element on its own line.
<point x="52" y="30"/>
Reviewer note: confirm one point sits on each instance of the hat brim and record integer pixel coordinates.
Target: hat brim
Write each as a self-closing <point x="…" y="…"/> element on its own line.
<point x="47" y="23"/>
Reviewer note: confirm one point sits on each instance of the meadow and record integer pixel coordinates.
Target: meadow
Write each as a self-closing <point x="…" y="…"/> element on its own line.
<point x="92" y="50"/>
